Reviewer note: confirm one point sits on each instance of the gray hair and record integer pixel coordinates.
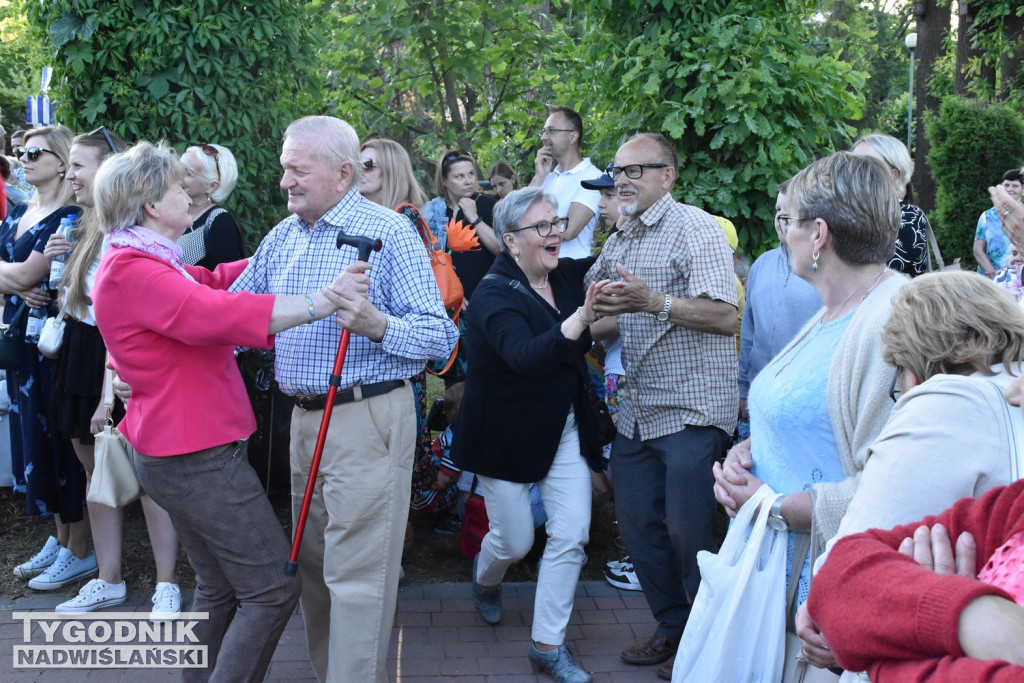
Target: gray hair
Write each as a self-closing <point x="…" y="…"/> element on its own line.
<point x="337" y="144"/>
<point x="857" y="199"/>
<point x="895" y="154"/>
<point x="127" y="181"/>
<point x="510" y="210"/>
<point x="225" y="162"/>
<point x="665" y="154"/>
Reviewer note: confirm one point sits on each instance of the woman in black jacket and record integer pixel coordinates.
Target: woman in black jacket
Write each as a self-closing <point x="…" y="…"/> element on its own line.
<point x="526" y="418"/>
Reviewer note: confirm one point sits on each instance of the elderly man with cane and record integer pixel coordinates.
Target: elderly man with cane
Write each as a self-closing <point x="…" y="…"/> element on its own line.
<point x="350" y="555"/>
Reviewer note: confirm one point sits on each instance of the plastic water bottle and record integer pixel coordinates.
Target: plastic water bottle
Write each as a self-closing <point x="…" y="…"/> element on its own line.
<point x="66" y="230"/>
<point x="34" y="324"/>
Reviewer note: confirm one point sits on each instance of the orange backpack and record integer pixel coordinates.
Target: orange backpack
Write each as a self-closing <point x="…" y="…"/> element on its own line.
<point x="444" y="272"/>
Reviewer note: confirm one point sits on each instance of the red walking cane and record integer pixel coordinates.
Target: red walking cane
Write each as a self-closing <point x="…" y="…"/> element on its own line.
<point x="365" y="245"/>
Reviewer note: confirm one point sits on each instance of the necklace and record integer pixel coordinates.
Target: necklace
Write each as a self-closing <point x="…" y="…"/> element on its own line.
<point x="835" y="314"/>
<point x="541" y="286"/>
<point x="796" y="351"/>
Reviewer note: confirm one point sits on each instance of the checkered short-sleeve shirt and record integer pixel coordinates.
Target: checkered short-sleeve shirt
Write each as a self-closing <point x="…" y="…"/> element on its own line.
<point x="675" y="376"/>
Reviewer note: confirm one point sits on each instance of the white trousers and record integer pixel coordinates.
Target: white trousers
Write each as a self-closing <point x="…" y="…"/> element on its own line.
<point x="566" y="495"/>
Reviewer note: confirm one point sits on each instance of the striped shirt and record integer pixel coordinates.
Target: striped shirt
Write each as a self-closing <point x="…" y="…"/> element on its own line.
<point x="297" y="258"/>
<point x="676" y="376"/>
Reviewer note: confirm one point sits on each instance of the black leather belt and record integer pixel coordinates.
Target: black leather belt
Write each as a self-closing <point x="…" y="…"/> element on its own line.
<point x="356" y="393"/>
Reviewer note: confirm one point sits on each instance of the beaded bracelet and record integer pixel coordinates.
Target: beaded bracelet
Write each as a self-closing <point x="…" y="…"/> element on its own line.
<point x="312" y="309"/>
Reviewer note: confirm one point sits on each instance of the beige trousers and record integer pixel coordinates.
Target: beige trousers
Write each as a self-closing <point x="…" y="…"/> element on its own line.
<point x="351" y="550"/>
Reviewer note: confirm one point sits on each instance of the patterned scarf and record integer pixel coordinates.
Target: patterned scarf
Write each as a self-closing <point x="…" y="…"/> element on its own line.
<point x="152" y="243"/>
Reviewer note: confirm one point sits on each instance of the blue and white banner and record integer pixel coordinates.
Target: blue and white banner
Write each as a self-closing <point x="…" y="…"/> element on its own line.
<point x="40" y="111"/>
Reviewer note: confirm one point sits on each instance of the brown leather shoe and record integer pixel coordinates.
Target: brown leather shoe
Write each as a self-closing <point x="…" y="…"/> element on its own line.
<point x="655" y="651"/>
<point x="665" y="670"/>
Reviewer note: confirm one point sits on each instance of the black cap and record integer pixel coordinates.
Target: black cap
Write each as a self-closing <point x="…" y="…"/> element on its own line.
<point x="598" y="183"/>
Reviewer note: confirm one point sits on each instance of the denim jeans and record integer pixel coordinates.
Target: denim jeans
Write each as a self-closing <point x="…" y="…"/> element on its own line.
<point x="237" y="549"/>
<point x="665" y="505"/>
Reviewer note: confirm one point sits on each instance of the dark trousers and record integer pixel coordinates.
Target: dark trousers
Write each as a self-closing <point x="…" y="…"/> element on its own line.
<point x="665" y="505"/>
<point x="238" y="550"/>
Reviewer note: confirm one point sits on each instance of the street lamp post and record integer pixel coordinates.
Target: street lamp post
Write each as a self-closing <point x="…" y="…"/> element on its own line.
<point x="911" y="43"/>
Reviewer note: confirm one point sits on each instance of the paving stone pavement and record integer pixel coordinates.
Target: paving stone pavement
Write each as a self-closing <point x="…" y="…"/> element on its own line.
<point x="438" y="636"/>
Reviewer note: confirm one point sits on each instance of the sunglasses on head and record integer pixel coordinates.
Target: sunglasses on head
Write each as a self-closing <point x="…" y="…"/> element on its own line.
<point x="106" y="136"/>
<point x="33" y="152"/>
<point x="211" y="151"/>
<point x="454" y="155"/>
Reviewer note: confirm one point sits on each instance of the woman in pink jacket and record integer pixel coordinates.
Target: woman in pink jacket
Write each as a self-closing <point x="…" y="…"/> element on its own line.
<point x="171" y="331"/>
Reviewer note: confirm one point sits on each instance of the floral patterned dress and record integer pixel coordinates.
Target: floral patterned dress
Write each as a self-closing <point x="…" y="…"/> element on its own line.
<point x="44" y="467"/>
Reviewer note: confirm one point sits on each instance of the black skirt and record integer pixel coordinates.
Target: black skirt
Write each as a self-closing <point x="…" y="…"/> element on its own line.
<point x="78" y="380"/>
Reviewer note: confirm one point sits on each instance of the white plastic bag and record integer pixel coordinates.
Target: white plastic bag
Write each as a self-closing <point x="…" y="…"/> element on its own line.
<point x="737" y="627"/>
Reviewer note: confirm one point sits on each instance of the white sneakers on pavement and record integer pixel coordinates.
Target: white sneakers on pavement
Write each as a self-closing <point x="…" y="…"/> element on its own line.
<point x="40" y="561"/>
<point x="94" y="595"/>
<point x="65" y="569"/>
<point x="622" y="575"/>
<point x="166" y="602"/>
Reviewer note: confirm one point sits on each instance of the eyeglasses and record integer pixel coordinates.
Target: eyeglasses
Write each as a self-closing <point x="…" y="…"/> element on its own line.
<point x="786" y="222"/>
<point x="211" y="151"/>
<point x="368" y="165"/>
<point x="106" y="136"/>
<point x="550" y="131"/>
<point x="547" y="228"/>
<point x="33" y="152"/>
<point x="632" y="171"/>
<point x="894" y="388"/>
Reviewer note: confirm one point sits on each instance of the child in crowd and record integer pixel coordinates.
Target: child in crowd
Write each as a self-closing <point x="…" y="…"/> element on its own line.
<point x="1010" y="276"/>
<point x="433" y="478"/>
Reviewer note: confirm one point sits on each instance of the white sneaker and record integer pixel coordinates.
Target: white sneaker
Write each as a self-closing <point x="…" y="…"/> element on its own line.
<point x="166" y="602"/>
<point x="40" y="561"/>
<point x="94" y="595"/>
<point x="623" y="577"/>
<point x="615" y="565"/>
<point x="65" y="569"/>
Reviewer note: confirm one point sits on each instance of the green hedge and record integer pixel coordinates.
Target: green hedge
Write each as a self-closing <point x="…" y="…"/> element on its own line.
<point x="973" y="144"/>
<point x="189" y="71"/>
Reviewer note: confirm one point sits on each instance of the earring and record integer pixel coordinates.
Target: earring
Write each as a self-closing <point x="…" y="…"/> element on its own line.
<point x="516" y="257"/>
<point x="61" y="174"/>
<point x="814" y="264"/>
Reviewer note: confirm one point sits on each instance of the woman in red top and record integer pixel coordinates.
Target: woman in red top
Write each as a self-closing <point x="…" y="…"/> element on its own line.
<point x="882" y="608"/>
<point x="171" y="331"/>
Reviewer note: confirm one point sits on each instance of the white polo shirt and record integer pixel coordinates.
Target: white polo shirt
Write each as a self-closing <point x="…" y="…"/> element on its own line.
<point x="566" y="188"/>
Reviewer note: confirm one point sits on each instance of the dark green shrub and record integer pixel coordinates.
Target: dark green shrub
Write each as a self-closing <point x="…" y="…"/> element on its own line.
<point x="973" y="144"/>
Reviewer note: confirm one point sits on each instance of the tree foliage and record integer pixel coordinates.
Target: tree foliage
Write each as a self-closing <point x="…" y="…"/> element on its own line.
<point x="972" y="145"/>
<point x="21" y="59"/>
<point x="190" y="71"/>
<point x="738" y="88"/>
<point x="442" y="74"/>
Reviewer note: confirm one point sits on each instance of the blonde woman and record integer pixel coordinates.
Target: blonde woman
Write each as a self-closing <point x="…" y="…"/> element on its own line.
<point x="79" y="410"/>
<point x="957" y="342"/>
<point x="388" y="178"/>
<point x="45" y="467"/>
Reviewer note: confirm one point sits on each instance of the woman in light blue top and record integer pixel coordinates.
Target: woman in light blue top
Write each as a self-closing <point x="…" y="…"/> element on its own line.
<point x="991" y="245"/>
<point x="819" y="404"/>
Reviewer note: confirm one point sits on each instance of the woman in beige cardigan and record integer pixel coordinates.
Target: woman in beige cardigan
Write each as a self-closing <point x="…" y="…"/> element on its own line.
<point x="823" y="400"/>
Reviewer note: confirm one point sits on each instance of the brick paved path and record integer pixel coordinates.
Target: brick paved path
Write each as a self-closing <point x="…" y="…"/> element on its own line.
<point x="438" y="636"/>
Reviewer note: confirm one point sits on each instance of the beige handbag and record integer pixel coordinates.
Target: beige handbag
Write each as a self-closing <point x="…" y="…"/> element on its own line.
<point x="795" y="668"/>
<point x="114" y="483"/>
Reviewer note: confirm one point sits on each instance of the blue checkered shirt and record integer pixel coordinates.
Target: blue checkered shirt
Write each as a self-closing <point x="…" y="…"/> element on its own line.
<point x="296" y="258"/>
